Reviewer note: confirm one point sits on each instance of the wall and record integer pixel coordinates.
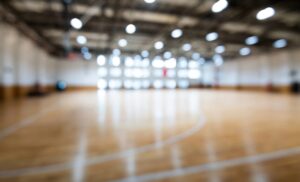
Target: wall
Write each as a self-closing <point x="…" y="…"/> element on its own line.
<point x="77" y="73"/>
<point x="259" y="71"/>
<point x="22" y="64"/>
<point x="256" y="72"/>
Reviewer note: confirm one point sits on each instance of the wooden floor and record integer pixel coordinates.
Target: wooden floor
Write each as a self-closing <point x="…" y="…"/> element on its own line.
<point x="184" y="135"/>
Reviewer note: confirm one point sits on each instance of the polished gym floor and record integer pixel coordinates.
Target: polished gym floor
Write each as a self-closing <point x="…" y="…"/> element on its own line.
<point x="166" y="135"/>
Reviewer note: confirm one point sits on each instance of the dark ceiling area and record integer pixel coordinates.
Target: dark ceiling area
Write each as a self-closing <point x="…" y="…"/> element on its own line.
<point x="105" y="21"/>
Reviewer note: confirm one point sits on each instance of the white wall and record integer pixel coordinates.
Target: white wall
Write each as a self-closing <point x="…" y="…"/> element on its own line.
<point x="77" y="72"/>
<point x="22" y="62"/>
<point x="258" y="70"/>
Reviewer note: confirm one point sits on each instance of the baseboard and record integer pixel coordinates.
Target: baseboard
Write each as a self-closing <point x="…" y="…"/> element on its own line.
<point x="7" y="92"/>
<point x="13" y="92"/>
<point x="81" y="88"/>
<point x="260" y="88"/>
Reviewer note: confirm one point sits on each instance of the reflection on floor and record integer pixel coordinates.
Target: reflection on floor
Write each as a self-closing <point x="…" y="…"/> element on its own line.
<point x="183" y="135"/>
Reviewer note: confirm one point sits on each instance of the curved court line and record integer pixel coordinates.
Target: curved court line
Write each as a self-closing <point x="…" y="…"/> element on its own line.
<point x="101" y="159"/>
<point x="219" y="165"/>
<point x="23" y="123"/>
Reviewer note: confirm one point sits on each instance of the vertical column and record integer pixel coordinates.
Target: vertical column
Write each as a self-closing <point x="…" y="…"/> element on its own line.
<point x="26" y="66"/>
<point x="8" y="59"/>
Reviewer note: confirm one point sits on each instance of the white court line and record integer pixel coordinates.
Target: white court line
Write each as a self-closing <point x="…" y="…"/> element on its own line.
<point x="102" y="159"/>
<point x="215" y="165"/>
<point x="23" y="123"/>
<point x="78" y="172"/>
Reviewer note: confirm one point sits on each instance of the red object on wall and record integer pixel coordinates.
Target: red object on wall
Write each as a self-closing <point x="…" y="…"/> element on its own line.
<point x="165" y="71"/>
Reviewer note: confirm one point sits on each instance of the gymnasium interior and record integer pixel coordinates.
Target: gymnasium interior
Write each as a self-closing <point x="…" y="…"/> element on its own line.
<point x="149" y="90"/>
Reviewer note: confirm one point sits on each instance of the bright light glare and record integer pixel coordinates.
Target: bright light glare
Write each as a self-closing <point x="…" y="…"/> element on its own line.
<point x="115" y="72"/>
<point x="171" y="73"/>
<point x="102" y="72"/>
<point x="176" y="33"/>
<point x="182" y="73"/>
<point x="149" y="1"/>
<point x="219" y="6"/>
<point x="115" y="84"/>
<point x="129" y="62"/>
<point x="146" y="84"/>
<point x="220" y="49"/>
<point x="116" y="61"/>
<point x="158" y="63"/>
<point x="251" y="40"/>
<point x="158" y="84"/>
<point x="218" y="60"/>
<point x="116" y="52"/>
<point x="171" y="84"/>
<point x="167" y="55"/>
<point x="128" y="73"/>
<point x="182" y="62"/>
<point x="212" y="36"/>
<point x="101" y="60"/>
<point x="245" y="51"/>
<point x="265" y="13"/>
<point x="145" y="54"/>
<point x="196" y="56"/>
<point x="183" y="84"/>
<point x="102" y="84"/>
<point x="81" y="39"/>
<point x="76" y="23"/>
<point x="281" y="43"/>
<point x="137" y="85"/>
<point x="128" y="84"/>
<point x="159" y="45"/>
<point x="146" y="63"/>
<point x="171" y="63"/>
<point x="193" y="64"/>
<point x="194" y="74"/>
<point x="130" y="29"/>
<point x="123" y="43"/>
<point x="187" y="47"/>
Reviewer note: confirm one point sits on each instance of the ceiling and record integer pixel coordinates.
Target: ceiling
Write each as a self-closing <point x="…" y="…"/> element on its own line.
<point x="48" y="22"/>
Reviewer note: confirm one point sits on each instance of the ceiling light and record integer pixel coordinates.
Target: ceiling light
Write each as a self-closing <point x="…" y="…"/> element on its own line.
<point x="281" y="43"/>
<point x="176" y="33"/>
<point x="116" y="52"/>
<point x="101" y="60"/>
<point x="81" y="39"/>
<point x="196" y="56"/>
<point x="76" y="23"/>
<point x="130" y="29"/>
<point x="145" y="54"/>
<point x="123" y="43"/>
<point x="187" y="47"/>
<point x="167" y="55"/>
<point x="219" y="6"/>
<point x="149" y="1"/>
<point x="251" y="40"/>
<point x="212" y="36"/>
<point x="265" y="13"/>
<point x="220" y="49"/>
<point x="159" y="45"/>
<point x="245" y="51"/>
